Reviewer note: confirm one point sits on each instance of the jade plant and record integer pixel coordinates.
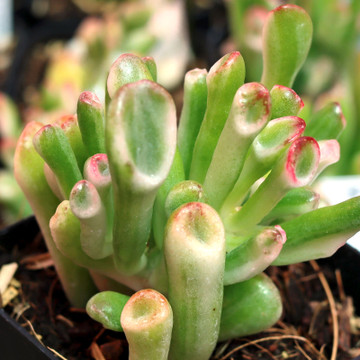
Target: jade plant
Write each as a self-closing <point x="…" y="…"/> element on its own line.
<point x="176" y="224"/>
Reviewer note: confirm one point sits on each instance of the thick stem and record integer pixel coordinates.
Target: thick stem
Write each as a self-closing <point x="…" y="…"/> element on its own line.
<point x="159" y="219"/>
<point x="105" y="283"/>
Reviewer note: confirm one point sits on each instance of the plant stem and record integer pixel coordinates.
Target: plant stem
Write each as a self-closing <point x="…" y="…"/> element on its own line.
<point x="175" y="176"/>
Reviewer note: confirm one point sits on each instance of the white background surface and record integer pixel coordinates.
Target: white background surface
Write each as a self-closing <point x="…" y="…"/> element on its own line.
<point x="335" y="189"/>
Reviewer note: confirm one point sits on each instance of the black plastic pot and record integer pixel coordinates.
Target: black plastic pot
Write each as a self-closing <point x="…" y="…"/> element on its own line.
<point x="347" y="260"/>
<point x="208" y="29"/>
<point x="16" y="343"/>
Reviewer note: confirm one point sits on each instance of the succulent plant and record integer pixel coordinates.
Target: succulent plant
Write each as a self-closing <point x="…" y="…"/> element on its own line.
<point x="177" y="226"/>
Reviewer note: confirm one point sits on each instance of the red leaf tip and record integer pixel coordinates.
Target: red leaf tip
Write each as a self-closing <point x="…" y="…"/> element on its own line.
<point x="294" y="158"/>
<point x="90" y="98"/>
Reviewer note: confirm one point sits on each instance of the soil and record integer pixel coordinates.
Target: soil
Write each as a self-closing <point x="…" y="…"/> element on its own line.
<point x="305" y="331"/>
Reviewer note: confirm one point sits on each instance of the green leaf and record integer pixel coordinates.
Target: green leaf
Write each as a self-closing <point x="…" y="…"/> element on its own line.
<point x="90" y="114"/>
<point x="326" y="230"/>
<point x="249" y="113"/>
<point x="194" y="251"/>
<point x="106" y="308"/>
<point x="249" y="307"/>
<point x="54" y="147"/>
<point x="141" y="143"/>
<point x="285" y="102"/>
<point x="287" y="35"/>
<point x="147" y="320"/>
<point x="192" y="114"/>
<point x="223" y="80"/>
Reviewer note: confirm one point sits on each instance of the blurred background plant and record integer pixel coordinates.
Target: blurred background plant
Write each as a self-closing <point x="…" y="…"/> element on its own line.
<point x="14" y="206"/>
<point x="155" y="28"/>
